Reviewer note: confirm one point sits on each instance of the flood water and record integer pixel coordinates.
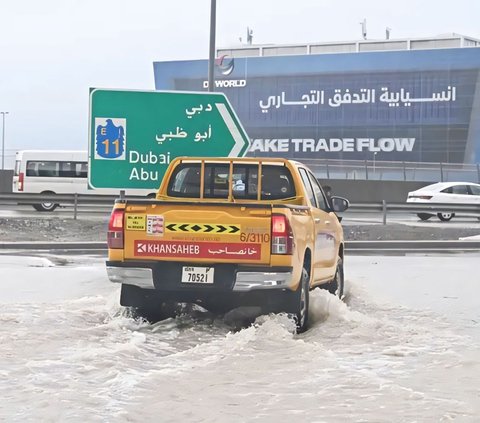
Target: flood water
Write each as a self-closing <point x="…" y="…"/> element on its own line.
<point x="404" y="347"/>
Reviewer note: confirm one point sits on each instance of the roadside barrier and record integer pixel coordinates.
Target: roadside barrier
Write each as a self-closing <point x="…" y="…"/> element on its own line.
<point x="78" y="203"/>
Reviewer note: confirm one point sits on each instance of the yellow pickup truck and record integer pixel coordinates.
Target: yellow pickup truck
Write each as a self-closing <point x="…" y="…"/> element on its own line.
<point x="228" y="232"/>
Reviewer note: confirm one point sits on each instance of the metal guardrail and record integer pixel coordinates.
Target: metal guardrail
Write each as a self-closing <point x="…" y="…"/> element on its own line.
<point x="82" y="202"/>
<point x="78" y="202"/>
<point x="17" y="198"/>
<point x="415" y="208"/>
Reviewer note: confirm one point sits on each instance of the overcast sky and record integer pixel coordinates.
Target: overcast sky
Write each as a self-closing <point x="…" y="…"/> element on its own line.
<point x="52" y="51"/>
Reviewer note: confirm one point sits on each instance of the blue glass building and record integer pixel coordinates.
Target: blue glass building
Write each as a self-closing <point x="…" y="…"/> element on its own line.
<point x="412" y="100"/>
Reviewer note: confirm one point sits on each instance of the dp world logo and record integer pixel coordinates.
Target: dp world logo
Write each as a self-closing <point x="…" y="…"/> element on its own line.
<point x="224" y="64"/>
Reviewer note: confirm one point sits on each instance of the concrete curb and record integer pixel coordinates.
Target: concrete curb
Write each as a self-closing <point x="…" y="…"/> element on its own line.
<point x="40" y="245"/>
<point x="350" y="246"/>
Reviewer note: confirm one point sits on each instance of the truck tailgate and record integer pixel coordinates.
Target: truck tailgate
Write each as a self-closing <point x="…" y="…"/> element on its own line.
<point x="198" y="233"/>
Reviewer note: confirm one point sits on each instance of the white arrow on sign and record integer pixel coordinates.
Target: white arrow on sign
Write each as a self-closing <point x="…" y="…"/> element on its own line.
<point x="232" y="127"/>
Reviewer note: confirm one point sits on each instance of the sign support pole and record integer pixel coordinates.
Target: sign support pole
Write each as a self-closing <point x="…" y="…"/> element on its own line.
<point x="211" y="57"/>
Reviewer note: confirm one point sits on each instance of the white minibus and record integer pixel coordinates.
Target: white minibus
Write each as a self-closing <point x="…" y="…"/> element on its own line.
<point x="57" y="172"/>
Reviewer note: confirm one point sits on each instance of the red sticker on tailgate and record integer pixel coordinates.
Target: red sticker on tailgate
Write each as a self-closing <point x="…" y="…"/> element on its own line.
<point x="211" y="250"/>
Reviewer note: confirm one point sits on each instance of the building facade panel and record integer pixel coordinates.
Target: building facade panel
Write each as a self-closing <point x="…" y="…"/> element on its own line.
<point x="413" y="105"/>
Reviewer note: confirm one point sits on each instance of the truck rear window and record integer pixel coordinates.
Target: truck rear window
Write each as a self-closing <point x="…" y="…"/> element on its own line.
<point x="276" y="183"/>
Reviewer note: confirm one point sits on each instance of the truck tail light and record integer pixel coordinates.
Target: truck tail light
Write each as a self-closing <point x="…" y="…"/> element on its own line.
<point x="20" y="181"/>
<point x="282" y="236"/>
<point x="115" y="229"/>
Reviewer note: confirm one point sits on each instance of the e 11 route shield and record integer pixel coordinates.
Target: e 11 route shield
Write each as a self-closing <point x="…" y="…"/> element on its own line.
<point x="134" y="135"/>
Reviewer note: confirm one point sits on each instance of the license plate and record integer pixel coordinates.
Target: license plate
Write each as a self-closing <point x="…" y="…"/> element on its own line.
<point x="197" y="274"/>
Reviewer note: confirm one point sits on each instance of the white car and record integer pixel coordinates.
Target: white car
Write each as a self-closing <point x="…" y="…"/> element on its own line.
<point x="447" y="193"/>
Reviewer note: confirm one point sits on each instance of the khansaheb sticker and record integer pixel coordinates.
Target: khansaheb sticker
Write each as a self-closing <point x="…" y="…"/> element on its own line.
<point x="212" y="250"/>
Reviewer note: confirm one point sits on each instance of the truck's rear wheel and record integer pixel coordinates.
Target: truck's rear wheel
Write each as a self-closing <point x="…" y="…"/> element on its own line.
<point x="337" y="285"/>
<point x="302" y="302"/>
<point x="154" y="313"/>
<point x="146" y="304"/>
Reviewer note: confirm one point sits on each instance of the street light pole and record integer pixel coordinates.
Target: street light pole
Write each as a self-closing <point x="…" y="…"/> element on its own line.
<point x="211" y="56"/>
<point x="3" y="138"/>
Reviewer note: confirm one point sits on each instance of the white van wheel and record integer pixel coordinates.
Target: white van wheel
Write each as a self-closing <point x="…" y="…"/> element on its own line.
<point x="445" y="217"/>
<point x="47" y="206"/>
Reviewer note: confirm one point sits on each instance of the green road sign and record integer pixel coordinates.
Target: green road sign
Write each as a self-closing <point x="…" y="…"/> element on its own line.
<point x="135" y="134"/>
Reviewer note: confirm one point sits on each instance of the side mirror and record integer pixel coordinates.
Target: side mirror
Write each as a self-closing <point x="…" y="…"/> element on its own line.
<point x="339" y="204"/>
